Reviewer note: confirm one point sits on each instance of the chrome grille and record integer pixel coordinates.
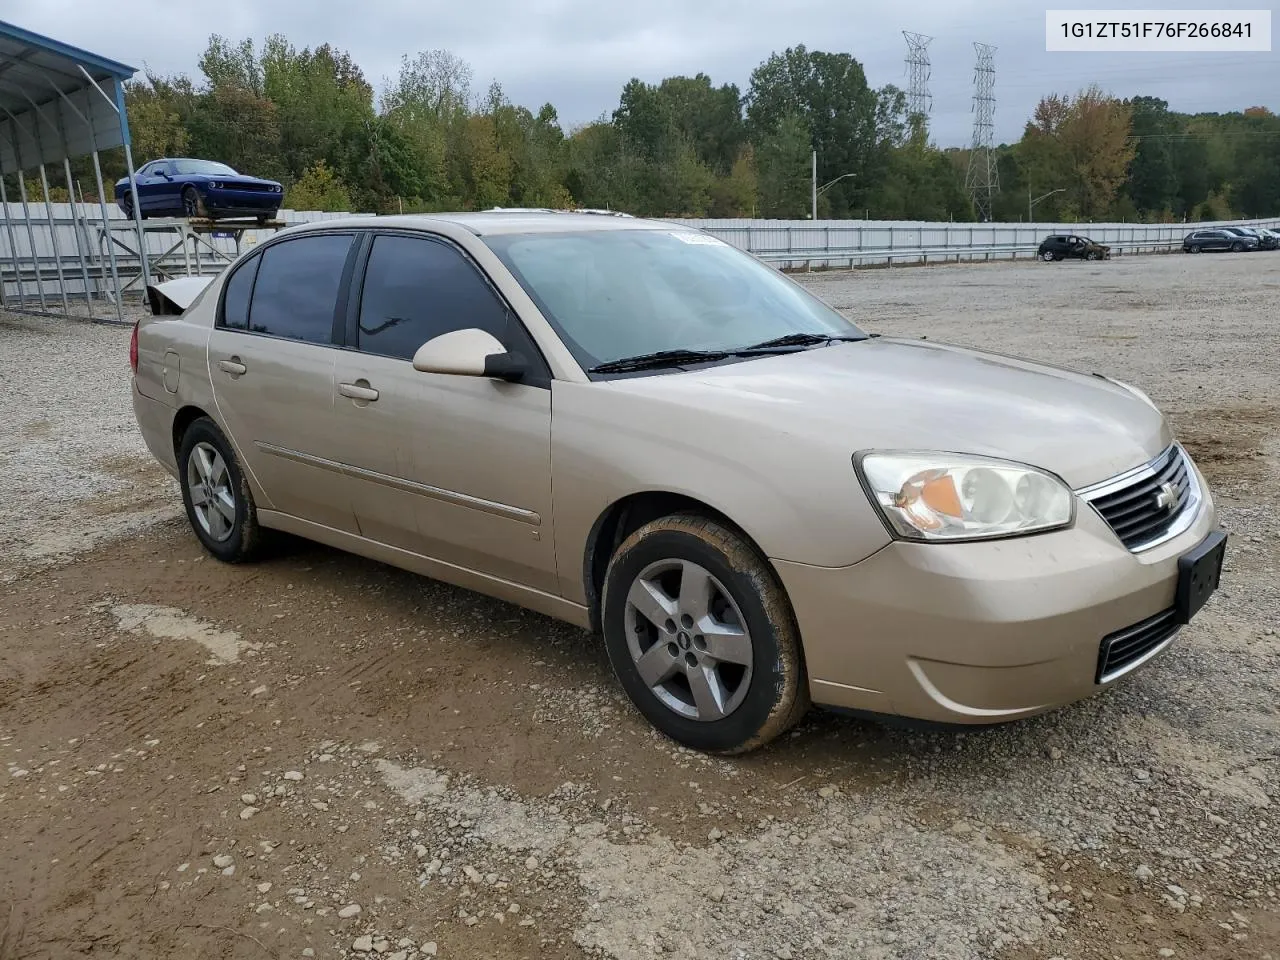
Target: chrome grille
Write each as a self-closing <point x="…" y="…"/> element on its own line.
<point x="1151" y="504"/>
<point x="1125" y="649"/>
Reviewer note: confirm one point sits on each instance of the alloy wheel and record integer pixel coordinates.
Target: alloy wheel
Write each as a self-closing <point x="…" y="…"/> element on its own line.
<point x="689" y="640"/>
<point x="212" y="498"/>
<point x="190" y="204"/>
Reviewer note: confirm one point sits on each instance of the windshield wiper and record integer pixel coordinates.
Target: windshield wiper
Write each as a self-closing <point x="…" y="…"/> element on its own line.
<point x="796" y="340"/>
<point x="662" y="358"/>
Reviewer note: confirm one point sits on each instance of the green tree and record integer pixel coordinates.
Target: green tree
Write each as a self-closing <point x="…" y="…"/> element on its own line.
<point x="849" y="124"/>
<point x="319" y="188"/>
<point x="737" y="195"/>
<point x="783" y="162"/>
<point x="1153" y="181"/>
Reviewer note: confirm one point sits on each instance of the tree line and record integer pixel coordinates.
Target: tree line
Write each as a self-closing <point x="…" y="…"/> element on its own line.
<point x="685" y="146"/>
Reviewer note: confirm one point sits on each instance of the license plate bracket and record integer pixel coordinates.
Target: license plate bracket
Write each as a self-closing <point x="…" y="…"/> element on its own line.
<point x="1199" y="573"/>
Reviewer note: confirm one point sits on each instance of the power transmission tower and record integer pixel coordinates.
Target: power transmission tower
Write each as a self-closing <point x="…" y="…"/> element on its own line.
<point x="983" y="179"/>
<point x="919" y="101"/>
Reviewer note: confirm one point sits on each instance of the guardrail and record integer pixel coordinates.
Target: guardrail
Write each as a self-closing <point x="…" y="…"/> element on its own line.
<point x="887" y="256"/>
<point x="803" y="244"/>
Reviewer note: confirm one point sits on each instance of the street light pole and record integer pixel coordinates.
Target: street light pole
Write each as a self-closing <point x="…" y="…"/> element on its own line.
<point x="814" y="186"/>
<point x="1031" y="203"/>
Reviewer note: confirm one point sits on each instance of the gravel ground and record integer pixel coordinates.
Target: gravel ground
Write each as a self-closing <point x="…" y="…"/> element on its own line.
<point x="69" y="440"/>
<point x="320" y="756"/>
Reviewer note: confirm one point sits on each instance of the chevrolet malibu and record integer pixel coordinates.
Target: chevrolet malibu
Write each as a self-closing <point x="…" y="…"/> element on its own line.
<point x="637" y="428"/>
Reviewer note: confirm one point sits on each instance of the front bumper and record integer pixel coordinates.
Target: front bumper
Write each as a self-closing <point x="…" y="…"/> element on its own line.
<point x="254" y="203"/>
<point x="980" y="632"/>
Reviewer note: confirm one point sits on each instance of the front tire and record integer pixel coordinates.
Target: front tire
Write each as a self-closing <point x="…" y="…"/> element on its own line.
<point x="1237" y="247"/>
<point x="1091" y="255"/>
<point x="702" y="637"/>
<point x="1047" y="257"/>
<point x="192" y="205"/>
<point x="216" y="494"/>
<point x="1194" y="248"/>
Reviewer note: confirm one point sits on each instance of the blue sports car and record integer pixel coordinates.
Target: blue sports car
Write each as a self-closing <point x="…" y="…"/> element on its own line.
<point x="199" y="188"/>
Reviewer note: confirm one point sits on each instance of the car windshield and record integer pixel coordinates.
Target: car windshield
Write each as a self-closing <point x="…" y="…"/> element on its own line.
<point x="613" y="294"/>
<point x="208" y="167"/>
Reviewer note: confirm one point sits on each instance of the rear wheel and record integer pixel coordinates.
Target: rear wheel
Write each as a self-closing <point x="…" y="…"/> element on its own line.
<point x="216" y="494"/>
<point x="701" y="636"/>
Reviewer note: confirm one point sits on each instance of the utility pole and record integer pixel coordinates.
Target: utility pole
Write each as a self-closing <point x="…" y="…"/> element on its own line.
<point x="814" y="180"/>
<point x="919" y="101"/>
<point x="983" y="178"/>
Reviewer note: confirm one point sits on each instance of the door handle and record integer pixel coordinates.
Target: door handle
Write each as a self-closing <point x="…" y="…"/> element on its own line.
<point x="358" y="391"/>
<point x="232" y="366"/>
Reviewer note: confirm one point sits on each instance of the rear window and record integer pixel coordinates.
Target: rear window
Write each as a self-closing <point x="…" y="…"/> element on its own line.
<point x="235" y="296"/>
<point x="297" y="286"/>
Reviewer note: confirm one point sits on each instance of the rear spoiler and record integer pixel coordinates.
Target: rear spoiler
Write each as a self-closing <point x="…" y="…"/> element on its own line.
<point x="175" y="296"/>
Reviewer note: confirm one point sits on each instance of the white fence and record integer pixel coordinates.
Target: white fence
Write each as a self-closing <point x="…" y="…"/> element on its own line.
<point x="852" y="243"/>
<point x="44" y="266"/>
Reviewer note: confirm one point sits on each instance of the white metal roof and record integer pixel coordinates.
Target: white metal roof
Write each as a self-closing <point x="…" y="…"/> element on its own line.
<point x="56" y="100"/>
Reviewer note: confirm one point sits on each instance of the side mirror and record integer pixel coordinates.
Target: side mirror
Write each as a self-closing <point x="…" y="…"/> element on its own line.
<point x="469" y="353"/>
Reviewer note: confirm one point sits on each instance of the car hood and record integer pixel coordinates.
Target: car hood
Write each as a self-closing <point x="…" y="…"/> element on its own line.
<point x="886" y="393"/>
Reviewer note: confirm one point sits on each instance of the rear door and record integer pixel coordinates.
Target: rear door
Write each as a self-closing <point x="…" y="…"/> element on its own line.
<point x="271" y="360"/>
<point x="455" y="468"/>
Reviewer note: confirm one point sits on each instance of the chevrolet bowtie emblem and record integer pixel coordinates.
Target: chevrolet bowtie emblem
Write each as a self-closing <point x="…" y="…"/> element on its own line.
<point x="1167" y="497"/>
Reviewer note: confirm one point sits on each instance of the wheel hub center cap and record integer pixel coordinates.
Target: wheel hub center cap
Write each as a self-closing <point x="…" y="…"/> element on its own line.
<point x="683" y="640"/>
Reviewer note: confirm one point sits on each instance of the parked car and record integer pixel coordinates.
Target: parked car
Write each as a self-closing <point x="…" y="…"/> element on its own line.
<point x="635" y="427"/>
<point x="199" y="188"/>
<point x="1060" y="246"/>
<point x="1267" y="239"/>
<point x="1218" y="238"/>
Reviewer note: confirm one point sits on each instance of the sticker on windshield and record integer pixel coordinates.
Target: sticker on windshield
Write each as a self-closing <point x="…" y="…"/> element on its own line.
<point x="696" y="238"/>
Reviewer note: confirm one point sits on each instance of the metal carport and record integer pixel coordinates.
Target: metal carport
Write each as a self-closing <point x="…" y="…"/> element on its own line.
<point x="58" y="102"/>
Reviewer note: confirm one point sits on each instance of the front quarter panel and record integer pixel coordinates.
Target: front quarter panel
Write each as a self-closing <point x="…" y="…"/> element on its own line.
<point x="798" y="498"/>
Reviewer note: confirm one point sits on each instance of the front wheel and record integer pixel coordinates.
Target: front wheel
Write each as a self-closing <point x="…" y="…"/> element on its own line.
<point x="1194" y="248"/>
<point x="192" y="206"/>
<point x="1091" y="255"/>
<point x="216" y="494"/>
<point x="701" y="636"/>
<point x="1047" y="257"/>
<point x="1237" y="247"/>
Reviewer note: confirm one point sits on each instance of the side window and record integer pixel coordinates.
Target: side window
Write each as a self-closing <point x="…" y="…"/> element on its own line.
<point x="235" y="295"/>
<point x="416" y="289"/>
<point x="296" y="291"/>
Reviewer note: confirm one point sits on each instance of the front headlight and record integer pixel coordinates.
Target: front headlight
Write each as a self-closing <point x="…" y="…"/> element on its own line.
<point x="215" y="185"/>
<point x="949" y="496"/>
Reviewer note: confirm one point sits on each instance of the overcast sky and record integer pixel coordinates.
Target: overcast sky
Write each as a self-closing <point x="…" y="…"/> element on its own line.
<point x="577" y="54"/>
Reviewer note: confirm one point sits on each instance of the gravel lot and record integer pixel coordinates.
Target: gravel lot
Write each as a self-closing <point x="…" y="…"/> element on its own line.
<point x="320" y="756"/>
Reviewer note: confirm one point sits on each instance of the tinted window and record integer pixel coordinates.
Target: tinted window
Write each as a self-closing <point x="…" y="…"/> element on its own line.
<point x="417" y="289"/>
<point x="297" y="288"/>
<point x="235" y="296"/>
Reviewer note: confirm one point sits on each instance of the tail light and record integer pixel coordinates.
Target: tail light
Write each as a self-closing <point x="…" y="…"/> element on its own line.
<point x="133" y="349"/>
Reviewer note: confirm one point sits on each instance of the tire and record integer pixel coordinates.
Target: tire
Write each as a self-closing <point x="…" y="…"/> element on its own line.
<point x="1237" y="247"/>
<point x="751" y="694"/>
<point x="1047" y="257"/>
<point x="127" y="204"/>
<point x="232" y="533"/>
<point x="1194" y="248"/>
<point x="192" y="205"/>
<point x="1091" y="255"/>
